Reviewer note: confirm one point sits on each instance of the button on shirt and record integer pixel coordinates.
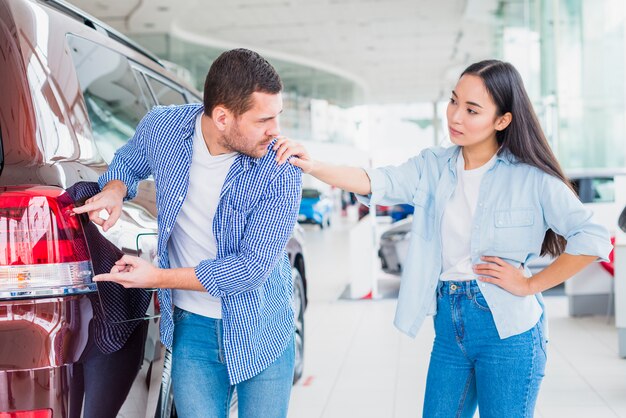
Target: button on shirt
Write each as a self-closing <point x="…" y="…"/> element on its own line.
<point x="517" y="204"/>
<point x="251" y="273"/>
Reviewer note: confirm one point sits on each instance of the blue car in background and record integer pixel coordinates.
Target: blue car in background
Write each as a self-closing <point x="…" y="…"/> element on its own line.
<point x="399" y="212"/>
<point x="315" y="208"/>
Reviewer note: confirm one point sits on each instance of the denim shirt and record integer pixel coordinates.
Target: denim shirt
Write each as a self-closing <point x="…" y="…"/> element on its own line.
<point x="256" y="214"/>
<point x="517" y="204"/>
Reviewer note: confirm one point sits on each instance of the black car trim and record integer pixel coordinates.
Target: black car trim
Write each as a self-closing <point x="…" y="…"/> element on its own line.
<point x="98" y="25"/>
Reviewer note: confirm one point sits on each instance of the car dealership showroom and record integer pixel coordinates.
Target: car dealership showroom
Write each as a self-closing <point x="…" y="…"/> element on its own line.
<point x="312" y="209"/>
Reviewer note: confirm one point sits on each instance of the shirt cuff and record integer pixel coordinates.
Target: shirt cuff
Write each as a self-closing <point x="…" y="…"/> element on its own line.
<point x="377" y="185"/>
<point x="203" y="273"/>
<point x="586" y="244"/>
<point x="131" y="185"/>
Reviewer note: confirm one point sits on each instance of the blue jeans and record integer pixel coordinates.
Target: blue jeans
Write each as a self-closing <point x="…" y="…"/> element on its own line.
<point x="200" y="379"/>
<point x="471" y="366"/>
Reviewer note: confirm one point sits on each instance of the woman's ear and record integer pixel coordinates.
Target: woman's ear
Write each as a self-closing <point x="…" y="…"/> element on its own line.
<point x="503" y="121"/>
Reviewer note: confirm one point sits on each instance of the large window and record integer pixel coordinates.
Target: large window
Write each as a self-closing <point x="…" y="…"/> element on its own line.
<point x="595" y="189"/>
<point x="318" y="105"/>
<point x="574" y="53"/>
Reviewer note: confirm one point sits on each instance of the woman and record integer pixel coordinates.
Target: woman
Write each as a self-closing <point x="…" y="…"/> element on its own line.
<point x="483" y="209"/>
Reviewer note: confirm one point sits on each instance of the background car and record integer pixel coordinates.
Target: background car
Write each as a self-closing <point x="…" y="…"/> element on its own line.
<point x="399" y="212"/>
<point x="381" y="210"/>
<point x="394" y="246"/>
<point x="315" y="207"/>
<point x="73" y="91"/>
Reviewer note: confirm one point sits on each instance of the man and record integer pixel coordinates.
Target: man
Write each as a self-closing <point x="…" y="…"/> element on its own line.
<point x="226" y="210"/>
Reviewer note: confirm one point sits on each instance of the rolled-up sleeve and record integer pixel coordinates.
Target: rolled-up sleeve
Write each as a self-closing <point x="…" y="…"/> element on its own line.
<point x="377" y="184"/>
<point x="393" y="185"/>
<point x="565" y="214"/>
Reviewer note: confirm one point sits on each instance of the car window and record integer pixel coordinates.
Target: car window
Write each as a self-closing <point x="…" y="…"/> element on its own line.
<point x="115" y="102"/>
<point x="310" y="194"/>
<point x="595" y="189"/>
<point x="192" y="98"/>
<point x="141" y="79"/>
<point x="164" y="94"/>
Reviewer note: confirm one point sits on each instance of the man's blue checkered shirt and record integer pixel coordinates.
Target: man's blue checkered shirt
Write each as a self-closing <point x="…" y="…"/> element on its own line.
<point x="258" y="207"/>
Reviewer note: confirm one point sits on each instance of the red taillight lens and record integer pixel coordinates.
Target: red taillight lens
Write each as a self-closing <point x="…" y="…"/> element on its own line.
<point x="39" y="413"/>
<point x="43" y="250"/>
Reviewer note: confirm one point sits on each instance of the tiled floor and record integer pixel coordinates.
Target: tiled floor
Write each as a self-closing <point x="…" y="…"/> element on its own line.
<point x="358" y="365"/>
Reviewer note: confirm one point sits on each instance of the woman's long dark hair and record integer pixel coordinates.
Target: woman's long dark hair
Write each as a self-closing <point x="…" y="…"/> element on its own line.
<point x="523" y="137"/>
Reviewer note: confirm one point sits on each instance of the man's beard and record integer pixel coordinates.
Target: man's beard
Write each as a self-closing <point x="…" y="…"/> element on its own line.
<point x="236" y="142"/>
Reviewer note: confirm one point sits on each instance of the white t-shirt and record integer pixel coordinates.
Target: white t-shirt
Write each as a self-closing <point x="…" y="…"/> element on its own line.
<point x="456" y="226"/>
<point x="192" y="238"/>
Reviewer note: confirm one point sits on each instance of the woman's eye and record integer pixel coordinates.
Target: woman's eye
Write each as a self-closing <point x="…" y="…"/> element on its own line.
<point x="471" y="112"/>
<point x="452" y="100"/>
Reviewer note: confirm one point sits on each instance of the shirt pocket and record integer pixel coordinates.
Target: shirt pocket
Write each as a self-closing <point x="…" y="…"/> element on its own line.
<point x="513" y="229"/>
<point x="423" y="215"/>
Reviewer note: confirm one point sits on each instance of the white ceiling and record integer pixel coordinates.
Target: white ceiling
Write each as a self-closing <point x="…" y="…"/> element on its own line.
<point x="398" y="50"/>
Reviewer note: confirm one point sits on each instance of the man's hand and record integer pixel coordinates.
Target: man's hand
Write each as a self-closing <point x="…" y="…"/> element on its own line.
<point x="286" y="148"/>
<point x="109" y="199"/>
<point x="132" y="271"/>
<point x="503" y="274"/>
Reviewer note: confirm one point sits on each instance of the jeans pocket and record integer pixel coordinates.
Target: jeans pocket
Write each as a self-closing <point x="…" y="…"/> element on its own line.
<point x="179" y="315"/>
<point x="480" y="302"/>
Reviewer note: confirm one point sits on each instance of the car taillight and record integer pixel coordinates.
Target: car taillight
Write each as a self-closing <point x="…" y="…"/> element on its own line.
<point x="43" y="251"/>
<point x="39" y="413"/>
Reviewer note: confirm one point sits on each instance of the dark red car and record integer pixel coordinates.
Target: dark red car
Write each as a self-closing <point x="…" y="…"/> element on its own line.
<point x="72" y="91"/>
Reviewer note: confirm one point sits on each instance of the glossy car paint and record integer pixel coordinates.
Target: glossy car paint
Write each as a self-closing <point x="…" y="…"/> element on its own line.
<point x="41" y="339"/>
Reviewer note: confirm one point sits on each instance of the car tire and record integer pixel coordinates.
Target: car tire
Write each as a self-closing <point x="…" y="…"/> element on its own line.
<point x="299" y="304"/>
<point x="165" y="405"/>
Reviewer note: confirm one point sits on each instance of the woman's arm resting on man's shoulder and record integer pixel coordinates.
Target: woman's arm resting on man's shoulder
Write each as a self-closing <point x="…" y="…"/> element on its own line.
<point x="351" y="179"/>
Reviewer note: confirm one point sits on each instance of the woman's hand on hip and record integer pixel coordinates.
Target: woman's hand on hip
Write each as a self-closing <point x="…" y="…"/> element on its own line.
<point x="503" y="274"/>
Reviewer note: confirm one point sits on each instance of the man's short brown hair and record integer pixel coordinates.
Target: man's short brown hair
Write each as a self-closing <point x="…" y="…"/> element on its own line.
<point x="234" y="76"/>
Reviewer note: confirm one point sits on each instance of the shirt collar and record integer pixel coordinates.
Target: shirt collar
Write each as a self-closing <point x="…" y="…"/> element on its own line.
<point x="503" y="155"/>
<point x="188" y="123"/>
<point x="506" y="156"/>
<point x="247" y="161"/>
